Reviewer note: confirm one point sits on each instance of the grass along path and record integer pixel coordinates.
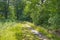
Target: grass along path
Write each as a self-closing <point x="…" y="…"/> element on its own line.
<point x="43" y="31"/>
<point x="35" y="32"/>
<point x="16" y="31"/>
<point x="24" y="31"/>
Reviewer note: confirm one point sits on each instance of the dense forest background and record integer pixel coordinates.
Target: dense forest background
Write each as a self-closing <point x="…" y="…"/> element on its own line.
<point x="45" y="13"/>
<point x="40" y="12"/>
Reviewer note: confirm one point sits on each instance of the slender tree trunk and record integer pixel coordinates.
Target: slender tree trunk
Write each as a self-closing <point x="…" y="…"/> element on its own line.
<point x="6" y="8"/>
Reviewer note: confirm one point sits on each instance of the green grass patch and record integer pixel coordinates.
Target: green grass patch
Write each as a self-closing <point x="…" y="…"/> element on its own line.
<point x="45" y="32"/>
<point x="15" y="31"/>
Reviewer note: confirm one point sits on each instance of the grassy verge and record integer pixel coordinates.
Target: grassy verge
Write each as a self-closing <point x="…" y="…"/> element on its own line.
<point x="15" y="31"/>
<point x="45" y="32"/>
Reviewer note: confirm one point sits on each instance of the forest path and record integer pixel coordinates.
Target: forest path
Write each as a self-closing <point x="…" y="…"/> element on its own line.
<point x="33" y="31"/>
<point x="27" y="30"/>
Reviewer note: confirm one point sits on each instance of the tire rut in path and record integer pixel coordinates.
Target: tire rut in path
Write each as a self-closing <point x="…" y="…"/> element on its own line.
<point x="40" y="35"/>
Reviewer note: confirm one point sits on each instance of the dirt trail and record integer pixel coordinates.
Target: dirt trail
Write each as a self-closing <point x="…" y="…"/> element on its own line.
<point x="40" y="35"/>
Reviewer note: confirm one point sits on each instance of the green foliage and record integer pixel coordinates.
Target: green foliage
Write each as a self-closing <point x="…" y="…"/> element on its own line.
<point x="46" y="32"/>
<point x="16" y="31"/>
<point x="46" y="13"/>
<point x="54" y="15"/>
